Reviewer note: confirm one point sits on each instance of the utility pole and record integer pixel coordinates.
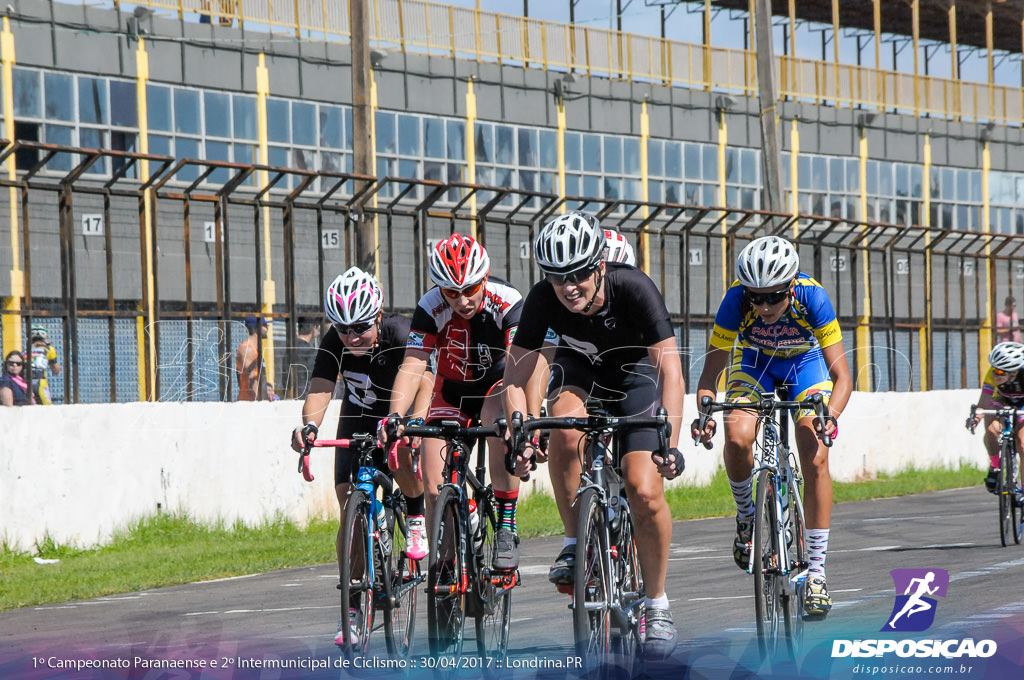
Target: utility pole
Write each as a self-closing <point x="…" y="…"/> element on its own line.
<point x="768" y="99"/>
<point x="362" y="136"/>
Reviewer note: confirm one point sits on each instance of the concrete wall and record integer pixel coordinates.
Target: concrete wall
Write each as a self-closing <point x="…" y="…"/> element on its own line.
<point x="80" y="472"/>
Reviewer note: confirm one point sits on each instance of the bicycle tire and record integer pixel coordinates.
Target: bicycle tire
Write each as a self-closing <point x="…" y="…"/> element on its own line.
<point x="798" y="563"/>
<point x="591" y="585"/>
<point x="630" y="586"/>
<point x="446" y="595"/>
<point x="1018" y="512"/>
<point x="405" y="577"/>
<point x="494" y="609"/>
<point x="765" y="557"/>
<point x="356" y="574"/>
<point x="1004" y="491"/>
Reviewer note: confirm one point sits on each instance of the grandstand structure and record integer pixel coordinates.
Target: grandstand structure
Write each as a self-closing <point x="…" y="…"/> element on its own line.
<point x="175" y="166"/>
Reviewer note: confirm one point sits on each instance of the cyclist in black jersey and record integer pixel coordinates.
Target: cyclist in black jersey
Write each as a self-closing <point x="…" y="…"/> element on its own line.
<point x="616" y="343"/>
<point x="363" y="350"/>
<point x="467" y="321"/>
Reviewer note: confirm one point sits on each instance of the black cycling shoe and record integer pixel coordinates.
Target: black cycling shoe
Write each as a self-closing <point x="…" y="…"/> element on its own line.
<point x="741" y="543"/>
<point x="506" y="550"/>
<point x="991" y="479"/>
<point x="561" y="572"/>
<point x="660" y="636"/>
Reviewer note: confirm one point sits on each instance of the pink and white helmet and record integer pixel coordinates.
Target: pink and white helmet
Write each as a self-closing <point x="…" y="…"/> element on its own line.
<point x="458" y="262"/>
<point x="353" y="297"/>
<point x="619" y="249"/>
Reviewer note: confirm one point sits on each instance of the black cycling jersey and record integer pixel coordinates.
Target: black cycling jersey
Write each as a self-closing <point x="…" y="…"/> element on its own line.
<point x="468" y="350"/>
<point x="368" y="378"/>
<point x="633" y="318"/>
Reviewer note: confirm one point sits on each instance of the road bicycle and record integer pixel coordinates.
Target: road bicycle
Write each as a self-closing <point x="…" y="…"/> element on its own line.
<point x="608" y="589"/>
<point x="460" y="580"/>
<point x="1008" y="481"/>
<point x="778" y="556"/>
<point x="376" y="573"/>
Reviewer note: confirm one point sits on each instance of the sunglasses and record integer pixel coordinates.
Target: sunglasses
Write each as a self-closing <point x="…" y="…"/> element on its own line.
<point x="469" y="291"/>
<point x="572" y="278"/>
<point x="772" y="298"/>
<point x="15" y="363"/>
<point x="360" y="328"/>
<point x="1000" y="372"/>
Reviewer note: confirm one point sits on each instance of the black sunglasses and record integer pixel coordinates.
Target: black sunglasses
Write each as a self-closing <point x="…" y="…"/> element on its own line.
<point x="772" y="298"/>
<point x="353" y="329"/>
<point x="15" y="363"/>
<point x="573" y="278"/>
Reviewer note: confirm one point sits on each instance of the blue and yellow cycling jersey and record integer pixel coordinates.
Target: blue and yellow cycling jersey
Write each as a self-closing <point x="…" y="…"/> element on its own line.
<point x="808" y="323"/>
<point x="1010" y="393"/>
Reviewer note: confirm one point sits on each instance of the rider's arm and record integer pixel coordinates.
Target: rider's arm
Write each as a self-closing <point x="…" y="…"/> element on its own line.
<point x="842" y="382"/>
<point x="524" y="386"/>
<point x="423" y="395"/>
<point x="313" y="408"/>
<point x="407" y="382"/>
<point x="715" y="362"/>
<point x="51" y="358"/>
<point x="665" y="359"/>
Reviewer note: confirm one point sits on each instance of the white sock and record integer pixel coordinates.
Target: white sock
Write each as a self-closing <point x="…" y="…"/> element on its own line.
<point x="657" y="602"/>
<point x="817" y="547"/>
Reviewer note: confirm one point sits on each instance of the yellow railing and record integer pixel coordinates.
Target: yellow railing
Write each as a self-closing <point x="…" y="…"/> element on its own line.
<point x="435" y="28"/>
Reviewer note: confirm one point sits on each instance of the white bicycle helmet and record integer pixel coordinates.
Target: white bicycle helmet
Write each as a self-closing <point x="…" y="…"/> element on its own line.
<point x="38" y="331"/>
<point x="458" y="262"/>
<point x="619" y="249"/>
<point x="570" y="242"/>
<point x="1007" y="356"/>
<point x="767" y="262"/>
<point x="353" y="297"/>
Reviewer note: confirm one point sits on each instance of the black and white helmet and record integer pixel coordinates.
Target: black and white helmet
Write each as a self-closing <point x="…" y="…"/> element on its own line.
<point x="570" y="242"/>
<point x="353" y="297"/>
<point x="619" y="248"/>
<point x="1007" y="356"/>
<point x="767" y="262"/>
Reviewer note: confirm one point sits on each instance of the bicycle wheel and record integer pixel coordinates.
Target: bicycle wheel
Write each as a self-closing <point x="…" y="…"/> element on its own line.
<point x="405" y="577"/>
<point x="356" y="574"/>
<point x="796" y="539"/>
<point x="446" y="571"/>
<point x="1004" y="489"/>
<point x="592" y="585"/>
<point x="1018" y="512"/>
<point x="765" y="565"/>
<point x="626" y="641"/>
<point x="495" y="606"/>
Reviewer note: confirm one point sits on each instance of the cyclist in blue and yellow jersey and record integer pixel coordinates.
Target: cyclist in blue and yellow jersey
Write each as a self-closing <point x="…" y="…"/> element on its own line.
<point x="1003" y="387"/>
<point x="44" y="356"/>
<point x="776" y="327"/>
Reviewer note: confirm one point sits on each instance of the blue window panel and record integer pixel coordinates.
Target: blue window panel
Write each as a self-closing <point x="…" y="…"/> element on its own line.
<point x="186" y="112"/>
<point x="158" y="107"/>
<point x="243" y="110"/>
<point x="27" y="93"/>
<point x="92" y="101"/>
<point x="279" y="121"/>
<point x="217" y="108"/>
<point x="124" y="109"/>
<point x="332" y="128"/>
<point x="60" y="96"/>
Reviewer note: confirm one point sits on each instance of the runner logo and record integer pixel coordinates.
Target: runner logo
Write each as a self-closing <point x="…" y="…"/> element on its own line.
<point x="914" y="609"/>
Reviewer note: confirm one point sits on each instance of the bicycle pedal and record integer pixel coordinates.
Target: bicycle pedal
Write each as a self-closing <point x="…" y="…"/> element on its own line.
<point x="566" y="589"/>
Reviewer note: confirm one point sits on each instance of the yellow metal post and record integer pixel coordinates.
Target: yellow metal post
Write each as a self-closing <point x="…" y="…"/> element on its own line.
<point x="955" y="59"/>
<point x="11" y="322"/>
<point x="835" y="49"/>
<point x="147" y="348"/>
<point x="560" y="121"/>
<point x="723" y="141"/>
<point x="985" y="336"/>
<point x="863" y="349"/>
<point x="879" y="77"/>
<point x="794" y="195"/>
<point x="925" y="335"/>
<point x="707" y="46"/>
<point x="471" y="144"/>
<point x="990" y="66"/>
<point x="269" y="287"/>
<point x="915" y="29"/>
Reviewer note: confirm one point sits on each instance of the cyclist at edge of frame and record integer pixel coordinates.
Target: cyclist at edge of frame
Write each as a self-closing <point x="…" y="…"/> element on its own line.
<point x="468" y="319"/>
<point x="616" y="343"/>
<point x="1003" y="387"/>
<point x="776" y="326"/>
<point x="363" y="348"/>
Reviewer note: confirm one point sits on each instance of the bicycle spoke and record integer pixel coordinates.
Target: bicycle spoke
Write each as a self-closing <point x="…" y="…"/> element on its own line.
<point x="445" y="586"/>
<point x="766" y="565"/>
<point x="404" y="573"/>
<point x="492" y="620"/>
<point x="356" y="574"/>
<point x="591" y="584"/>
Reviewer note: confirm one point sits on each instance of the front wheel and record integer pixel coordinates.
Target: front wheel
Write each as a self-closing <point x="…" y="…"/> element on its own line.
<point x="1004" y="490"/>
<point x="357" y="576"/>
<point x="446" y="576"/>
<point x="765" y="564"/>
<point x="630" y="587"/>
<point x="796" y="541"/>
<point x="592" y="584"/>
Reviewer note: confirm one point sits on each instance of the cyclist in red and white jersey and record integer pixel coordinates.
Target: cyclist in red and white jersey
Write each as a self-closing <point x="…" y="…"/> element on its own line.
<point x="363" y="349"/>
<point x="469" y="319"/>
<point x="1003" y="387"/>
<point x="617" y="344"/>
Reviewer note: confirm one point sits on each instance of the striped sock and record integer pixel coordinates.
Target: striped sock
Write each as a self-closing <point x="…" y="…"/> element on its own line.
<point x="817" y="546"/>
<point x="743" y="494"/>
<point x="506" y="501"/>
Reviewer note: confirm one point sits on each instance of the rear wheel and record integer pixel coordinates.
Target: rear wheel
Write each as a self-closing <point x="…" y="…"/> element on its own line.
<point x="591" y="586"/>
<point x="356" y="574"/>
<point x="1018" y="512"/>
<point x="630" y="587"/>
<point x="400" y="624"/>
<point x="495" y="603"/>
<point x="446" y="591"/>
<point x="768" y="608"/>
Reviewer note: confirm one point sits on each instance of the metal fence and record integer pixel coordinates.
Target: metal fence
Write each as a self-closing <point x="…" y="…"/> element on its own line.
<point x="145" y="283"/>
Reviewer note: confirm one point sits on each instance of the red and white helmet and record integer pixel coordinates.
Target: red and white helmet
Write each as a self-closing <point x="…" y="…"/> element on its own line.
<point x="458" y="262"/>
<point x="353" y="297"/>
<point x="619" y="249"/>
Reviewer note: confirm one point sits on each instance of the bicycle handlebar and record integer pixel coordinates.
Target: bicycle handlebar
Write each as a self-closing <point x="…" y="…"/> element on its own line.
<point x="355" y="440"/>
<point x="520" y="429"/>
<point x="765" y="407"/>
<point x="1005" y="412"/>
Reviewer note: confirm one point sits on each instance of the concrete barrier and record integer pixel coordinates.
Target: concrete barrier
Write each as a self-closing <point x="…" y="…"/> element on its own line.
<point x="78" y="473"/>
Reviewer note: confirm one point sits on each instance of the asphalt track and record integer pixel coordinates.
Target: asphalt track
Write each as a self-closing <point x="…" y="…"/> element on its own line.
<point x="281" y="624"/>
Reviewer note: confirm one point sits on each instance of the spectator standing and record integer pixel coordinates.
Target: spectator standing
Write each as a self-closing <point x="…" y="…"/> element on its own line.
<point x="306" y="343"/>
<point x="13" y="386"/>
<point x="1007" y="322"/>
<point x="252" y="372"/>
<point x="44" y="356"/>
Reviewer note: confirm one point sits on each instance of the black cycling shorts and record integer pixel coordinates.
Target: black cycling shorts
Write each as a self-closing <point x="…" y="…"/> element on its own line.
<point x="345" y="460"/>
